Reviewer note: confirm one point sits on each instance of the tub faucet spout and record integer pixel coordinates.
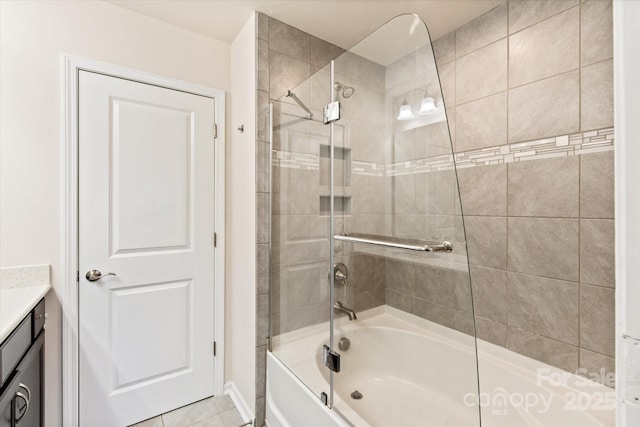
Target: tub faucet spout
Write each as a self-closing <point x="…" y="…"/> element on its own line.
<point x="342" y="309"/>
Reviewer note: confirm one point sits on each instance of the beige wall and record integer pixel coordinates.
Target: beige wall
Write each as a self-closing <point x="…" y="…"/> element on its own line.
<point x="241" y="219"/>
<point x="34" y="35"/>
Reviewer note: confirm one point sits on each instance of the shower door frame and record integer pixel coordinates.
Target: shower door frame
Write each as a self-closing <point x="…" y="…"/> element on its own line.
<point x="332" y="294"/>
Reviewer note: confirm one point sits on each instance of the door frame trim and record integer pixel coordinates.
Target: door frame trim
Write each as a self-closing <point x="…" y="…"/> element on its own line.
<point x="69" y="298"/>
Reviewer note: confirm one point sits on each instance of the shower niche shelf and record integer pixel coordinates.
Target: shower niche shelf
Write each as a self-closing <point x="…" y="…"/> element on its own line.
<point x="342" y="166"/>
<point x="342" y="205"/>
<point x="342" y="180"/>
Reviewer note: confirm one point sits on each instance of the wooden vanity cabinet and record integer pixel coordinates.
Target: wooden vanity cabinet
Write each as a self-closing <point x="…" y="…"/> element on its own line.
<point x="22" y="373"/>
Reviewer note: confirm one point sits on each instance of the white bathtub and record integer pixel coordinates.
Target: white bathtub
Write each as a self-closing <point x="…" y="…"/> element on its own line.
<point x="413" y="372"/>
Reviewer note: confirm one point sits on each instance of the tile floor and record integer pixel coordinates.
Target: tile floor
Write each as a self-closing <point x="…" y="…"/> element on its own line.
<point x="216" y="411"/>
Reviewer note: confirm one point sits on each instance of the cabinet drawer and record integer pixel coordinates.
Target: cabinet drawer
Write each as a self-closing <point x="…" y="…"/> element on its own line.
<point x="14" y="347"/>
<point x="38" y="318"/>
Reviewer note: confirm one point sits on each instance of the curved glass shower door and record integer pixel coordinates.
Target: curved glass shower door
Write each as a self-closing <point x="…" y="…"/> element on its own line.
<point x="371" y="296"/>
<point x="412" y="355"/>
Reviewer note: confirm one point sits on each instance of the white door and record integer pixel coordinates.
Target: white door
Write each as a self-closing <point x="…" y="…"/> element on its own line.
<point x="146" y="214"/>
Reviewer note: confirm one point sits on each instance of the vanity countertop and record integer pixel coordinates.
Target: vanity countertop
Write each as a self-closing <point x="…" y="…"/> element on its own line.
<point x="15" y="304"/>
<point x="20" y="290"/>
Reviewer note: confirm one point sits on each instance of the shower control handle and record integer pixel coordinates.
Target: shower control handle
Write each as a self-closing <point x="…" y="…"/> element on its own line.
<point x="95" y="275"/>
<point x="340" y="274"/>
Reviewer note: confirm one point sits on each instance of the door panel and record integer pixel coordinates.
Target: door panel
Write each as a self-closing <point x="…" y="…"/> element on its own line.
<point x="146" y="214"/>
<point x="135" y="350"/>
<point x="145" y="219"/>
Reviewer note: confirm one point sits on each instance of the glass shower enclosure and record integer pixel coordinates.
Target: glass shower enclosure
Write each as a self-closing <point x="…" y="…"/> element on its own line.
<point x="370" y="297"/>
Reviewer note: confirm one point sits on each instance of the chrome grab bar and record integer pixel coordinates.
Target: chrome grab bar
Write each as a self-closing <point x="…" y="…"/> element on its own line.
<point x="396" y="242"/>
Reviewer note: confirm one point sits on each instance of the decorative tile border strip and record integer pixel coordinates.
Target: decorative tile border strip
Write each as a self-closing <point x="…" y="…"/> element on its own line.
<point x="368" y="168"/>
<point x="560" y="146"/>
<point x="594" y="141"/>
<point x="287" y="159"/>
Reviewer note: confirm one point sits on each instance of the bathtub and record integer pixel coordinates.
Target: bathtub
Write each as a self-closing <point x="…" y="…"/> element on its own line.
<point x="414" y="373"/>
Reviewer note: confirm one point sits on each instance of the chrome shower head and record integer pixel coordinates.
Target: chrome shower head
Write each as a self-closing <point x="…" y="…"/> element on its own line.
<point x="347" y="91"/>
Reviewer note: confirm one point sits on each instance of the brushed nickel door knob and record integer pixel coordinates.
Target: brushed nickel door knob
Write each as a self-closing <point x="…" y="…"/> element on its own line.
<point x="94" y="275"/>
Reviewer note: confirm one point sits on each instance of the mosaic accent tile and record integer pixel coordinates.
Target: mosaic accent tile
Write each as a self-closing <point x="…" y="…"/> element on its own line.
<point x="594" y="141"/>
<point x="287" y="159"/>
<point x="559" y="146"/>
<point x="368" y="168"/>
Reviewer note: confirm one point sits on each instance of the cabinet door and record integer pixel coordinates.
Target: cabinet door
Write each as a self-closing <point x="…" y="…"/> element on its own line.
<point x="30" y="372"/>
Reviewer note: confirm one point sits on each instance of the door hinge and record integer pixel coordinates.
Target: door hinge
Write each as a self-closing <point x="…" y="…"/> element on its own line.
<point x="215" y="349"/>
<point x="331" y="112"/>
<point x="77" y="276"/>
<point x="215" y="240"/>
<point x="215" y="130"/>
<point x="331" y="359"/>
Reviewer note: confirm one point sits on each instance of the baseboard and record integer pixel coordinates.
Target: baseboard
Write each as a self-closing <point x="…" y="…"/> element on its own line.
<point x="238" y="399"/>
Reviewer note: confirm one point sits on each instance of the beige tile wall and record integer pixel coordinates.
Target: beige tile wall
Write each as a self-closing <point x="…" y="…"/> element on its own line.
<point x="284" y="59"/>
<point x="540" y="233"/>
<point x="300" y="246"/>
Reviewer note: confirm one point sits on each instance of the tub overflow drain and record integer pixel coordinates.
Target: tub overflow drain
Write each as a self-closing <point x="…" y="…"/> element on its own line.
<point x="356" y="395"/>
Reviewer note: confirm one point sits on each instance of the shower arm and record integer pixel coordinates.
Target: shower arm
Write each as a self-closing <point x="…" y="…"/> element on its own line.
<point x="300" y="103"/>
